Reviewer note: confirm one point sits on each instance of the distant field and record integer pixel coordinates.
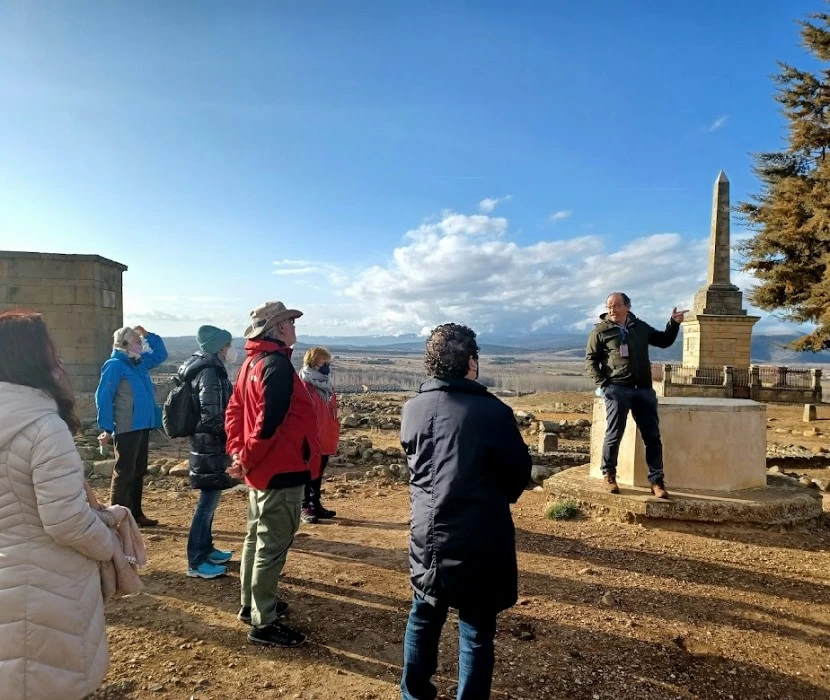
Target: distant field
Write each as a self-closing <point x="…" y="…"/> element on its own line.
<point x="532" y="373"/>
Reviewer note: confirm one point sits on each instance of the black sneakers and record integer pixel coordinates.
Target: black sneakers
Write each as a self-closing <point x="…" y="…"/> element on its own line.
<point x="308" y="517"/>
<point x="315" y="513"/>
<point x="276" y="635"/>
<point x="245" y="612"/>
<point x="323" y="513"/>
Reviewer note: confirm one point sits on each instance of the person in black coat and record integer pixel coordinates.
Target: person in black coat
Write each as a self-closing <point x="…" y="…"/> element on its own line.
<point x="467" y="464"/>
<point x="208" y="377"/>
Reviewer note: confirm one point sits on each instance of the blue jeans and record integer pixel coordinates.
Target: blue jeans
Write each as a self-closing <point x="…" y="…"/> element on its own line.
<point x="200" y="539"/>
<point x="642" y="402"/>
<point x="476" y="655"/>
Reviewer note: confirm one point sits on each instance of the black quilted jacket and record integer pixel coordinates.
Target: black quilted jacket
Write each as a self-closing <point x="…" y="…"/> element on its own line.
<point x="211" y="385"/>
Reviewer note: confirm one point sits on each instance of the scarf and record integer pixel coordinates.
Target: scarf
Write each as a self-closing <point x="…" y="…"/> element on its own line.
<point x="318" y="380"/>
<point x="119" y="575"/>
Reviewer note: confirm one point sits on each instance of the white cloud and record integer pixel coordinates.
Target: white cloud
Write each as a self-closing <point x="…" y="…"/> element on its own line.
<point x="543" y="322"/>
<point x="485" y="206"/>
<point x="309" y="268"/>
<point x="466" y="269"/>
<point x="718" y="123"/>
<point x="182" y="315"/>
<point x="561" y="215"/>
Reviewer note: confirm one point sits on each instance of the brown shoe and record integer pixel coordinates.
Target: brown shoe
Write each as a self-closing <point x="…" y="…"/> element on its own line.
<point x="659" y="490"/>
<point x="611" y="483"/>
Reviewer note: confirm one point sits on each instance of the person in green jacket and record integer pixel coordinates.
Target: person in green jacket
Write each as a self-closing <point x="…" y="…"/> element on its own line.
<point x="617" y="360"/>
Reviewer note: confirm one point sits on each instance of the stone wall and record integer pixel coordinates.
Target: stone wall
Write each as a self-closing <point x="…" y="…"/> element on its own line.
<point x="771" y="394"/>
<point x="85" y="405"/>
<point x="710" y="392"/>
<point x="80" y="298"/>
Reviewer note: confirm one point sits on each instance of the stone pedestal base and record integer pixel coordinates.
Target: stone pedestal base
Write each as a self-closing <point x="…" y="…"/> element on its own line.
<point x="714" y="341"/>
<point x="709" y="444"/>
<point x="548" y="442"/>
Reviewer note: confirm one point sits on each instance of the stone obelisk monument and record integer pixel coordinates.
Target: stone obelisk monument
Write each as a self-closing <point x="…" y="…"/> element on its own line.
<point x="718" y="331"/>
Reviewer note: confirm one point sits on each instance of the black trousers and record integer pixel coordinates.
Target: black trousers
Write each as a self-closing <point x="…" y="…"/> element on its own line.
<point x="311" y="498"/>
<point x="642" y="402"/>
<point x="131" y="453"/>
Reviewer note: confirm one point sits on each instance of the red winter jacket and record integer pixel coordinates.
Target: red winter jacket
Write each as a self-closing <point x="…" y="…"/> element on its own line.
<point x="271" y="421"/>
<point x="327" y="421"/>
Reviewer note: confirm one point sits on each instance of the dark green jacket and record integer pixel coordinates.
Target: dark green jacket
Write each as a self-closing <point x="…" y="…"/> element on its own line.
<point x="603" y="363"/>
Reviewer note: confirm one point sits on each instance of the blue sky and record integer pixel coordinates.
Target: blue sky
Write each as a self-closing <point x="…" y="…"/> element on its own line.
<point x="385" y="166"/>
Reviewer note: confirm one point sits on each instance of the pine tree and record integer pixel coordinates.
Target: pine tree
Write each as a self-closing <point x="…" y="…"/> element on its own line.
<point x="789" y="253"/>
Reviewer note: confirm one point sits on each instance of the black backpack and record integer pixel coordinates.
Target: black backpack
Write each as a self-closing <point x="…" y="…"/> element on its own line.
<point x="180" y="414"/>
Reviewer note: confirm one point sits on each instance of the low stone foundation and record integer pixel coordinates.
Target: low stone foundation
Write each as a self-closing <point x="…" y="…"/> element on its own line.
<point x="779" y="503"/>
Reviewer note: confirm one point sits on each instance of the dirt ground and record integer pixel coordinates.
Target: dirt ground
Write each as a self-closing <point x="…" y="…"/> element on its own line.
<point x="691" y="612"/>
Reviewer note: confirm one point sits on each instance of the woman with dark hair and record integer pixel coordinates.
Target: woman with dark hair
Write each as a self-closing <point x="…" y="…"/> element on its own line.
<point x="53" y="642"/>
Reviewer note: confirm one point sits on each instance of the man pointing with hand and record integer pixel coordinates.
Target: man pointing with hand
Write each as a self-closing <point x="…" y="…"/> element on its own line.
<point x="617" y="360"/>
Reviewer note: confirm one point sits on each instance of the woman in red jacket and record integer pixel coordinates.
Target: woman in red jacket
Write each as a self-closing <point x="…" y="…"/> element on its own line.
<point x="316" y="375"/>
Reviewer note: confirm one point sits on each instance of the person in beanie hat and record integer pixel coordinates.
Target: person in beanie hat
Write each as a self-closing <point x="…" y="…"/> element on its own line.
<point x="206" y="370"/>
<point x="213" y="340"/>
<point x="273" y="441"/>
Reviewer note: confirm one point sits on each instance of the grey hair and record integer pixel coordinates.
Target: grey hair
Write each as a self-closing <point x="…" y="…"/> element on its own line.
<point x="121" y="336"/>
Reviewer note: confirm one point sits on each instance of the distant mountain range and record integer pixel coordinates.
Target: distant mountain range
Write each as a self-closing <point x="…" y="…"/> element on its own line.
<point x="766" y="349"/>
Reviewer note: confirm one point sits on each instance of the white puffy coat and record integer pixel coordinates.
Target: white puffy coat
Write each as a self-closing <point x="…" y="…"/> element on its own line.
<point x="53" y="643"/>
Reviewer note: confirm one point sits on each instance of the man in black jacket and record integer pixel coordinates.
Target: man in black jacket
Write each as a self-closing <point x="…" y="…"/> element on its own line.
<point x="467" y="464"/>
<point x="617" y="360"/>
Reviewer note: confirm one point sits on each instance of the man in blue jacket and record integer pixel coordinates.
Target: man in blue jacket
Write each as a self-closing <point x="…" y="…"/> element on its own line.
<point x="127" y="413"/>
<point x="467" y="464"/>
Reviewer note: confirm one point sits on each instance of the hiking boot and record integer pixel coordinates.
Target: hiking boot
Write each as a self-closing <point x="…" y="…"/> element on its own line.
<point x="276" y="635"/>
<point x="219" y="556"/>
<point x="308" y="516"/>
<point x="244" y="614"/>
<point x="323" y="513"/>
<point x="206" y="570"/>
<point x="611" y="483"/>
<point x="659" y="490"/>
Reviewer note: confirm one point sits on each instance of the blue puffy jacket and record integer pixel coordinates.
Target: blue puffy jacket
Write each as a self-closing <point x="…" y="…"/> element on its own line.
<point x="125" y="397"/>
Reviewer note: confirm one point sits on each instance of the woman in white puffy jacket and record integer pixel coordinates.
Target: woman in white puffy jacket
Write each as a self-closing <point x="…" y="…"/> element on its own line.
<point x="53" y="641"/>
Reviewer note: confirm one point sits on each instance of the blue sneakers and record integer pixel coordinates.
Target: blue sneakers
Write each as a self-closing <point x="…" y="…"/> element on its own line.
<point x="207" y="570"/>
<point x="218" y="556"/>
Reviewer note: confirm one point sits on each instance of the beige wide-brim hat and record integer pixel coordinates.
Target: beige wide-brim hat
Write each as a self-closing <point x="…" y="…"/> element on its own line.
<point x="268" y="315"/>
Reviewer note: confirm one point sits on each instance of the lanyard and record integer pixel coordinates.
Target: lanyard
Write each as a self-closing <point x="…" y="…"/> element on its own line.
<point x="623" y="334"/>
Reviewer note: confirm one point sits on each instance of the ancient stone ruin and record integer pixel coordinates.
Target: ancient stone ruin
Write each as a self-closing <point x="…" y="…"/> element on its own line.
<point x="80" y="298"/>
